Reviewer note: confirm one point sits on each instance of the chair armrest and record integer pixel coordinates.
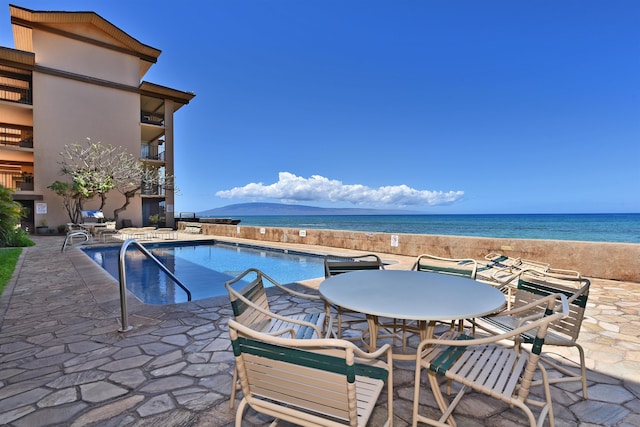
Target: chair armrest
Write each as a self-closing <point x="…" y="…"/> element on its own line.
<point x="291" y="291"/>
<point x="279" y="317"/>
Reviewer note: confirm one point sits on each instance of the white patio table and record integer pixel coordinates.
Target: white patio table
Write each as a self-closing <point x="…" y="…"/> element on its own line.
<point x="411" y="295"/>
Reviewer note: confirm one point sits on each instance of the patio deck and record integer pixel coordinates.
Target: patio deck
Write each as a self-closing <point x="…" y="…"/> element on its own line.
<point x="64" y="363"/>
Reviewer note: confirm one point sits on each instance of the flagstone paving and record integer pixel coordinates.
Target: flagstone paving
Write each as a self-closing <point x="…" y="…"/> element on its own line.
<point x="63" y="361"/>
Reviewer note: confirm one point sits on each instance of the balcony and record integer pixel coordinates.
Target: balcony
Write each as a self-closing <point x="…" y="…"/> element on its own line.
<point x="16" y="136"/>
<point x="15" y="90"/>
<point x="153" y="190"/>
<point x="152" y="118"/>
<point x="11" y="177"/>
<point x="150" y="152"/>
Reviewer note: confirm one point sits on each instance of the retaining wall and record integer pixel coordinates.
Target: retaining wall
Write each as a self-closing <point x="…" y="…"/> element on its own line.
<point x="615" y="261"/>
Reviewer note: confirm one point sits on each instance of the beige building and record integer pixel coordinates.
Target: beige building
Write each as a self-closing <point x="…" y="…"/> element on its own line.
<point x="73" y="76"/>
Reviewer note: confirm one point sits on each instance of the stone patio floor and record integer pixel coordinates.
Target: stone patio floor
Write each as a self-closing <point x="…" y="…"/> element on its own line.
<point x="64" y="363"/>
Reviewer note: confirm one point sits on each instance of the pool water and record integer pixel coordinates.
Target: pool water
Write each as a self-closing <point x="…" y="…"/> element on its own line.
<point x="203" y="268"/>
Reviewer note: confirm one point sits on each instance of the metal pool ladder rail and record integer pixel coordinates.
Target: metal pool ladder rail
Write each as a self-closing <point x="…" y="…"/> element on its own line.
<point x="123" y="279"/>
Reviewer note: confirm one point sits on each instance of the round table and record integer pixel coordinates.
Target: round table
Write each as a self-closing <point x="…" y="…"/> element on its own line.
<point x="411" y="295"/>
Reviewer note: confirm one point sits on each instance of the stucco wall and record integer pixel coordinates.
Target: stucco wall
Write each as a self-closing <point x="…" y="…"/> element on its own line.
<point x="615" y="261"/>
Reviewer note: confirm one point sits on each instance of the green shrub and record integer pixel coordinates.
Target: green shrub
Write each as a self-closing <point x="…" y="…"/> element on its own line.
<point x="17" y="238"/>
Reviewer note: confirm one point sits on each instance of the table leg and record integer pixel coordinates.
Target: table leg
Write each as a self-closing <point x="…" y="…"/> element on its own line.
<point x="372" y="322"/>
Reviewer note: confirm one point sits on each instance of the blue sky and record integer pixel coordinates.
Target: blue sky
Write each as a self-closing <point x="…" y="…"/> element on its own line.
<point x="434" y="106"/>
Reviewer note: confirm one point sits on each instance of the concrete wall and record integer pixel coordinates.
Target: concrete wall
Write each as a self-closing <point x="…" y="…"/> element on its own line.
<point x="67" y="110"/>
<point x="615" y="261"/>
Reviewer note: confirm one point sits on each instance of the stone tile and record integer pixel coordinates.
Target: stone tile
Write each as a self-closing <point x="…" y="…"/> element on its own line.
<point x="57" y="359"/>
<point x="130" y="378"/>
<point x="201" y="370"/>
<point x="127" y="352"/>
<point x="100" y="391"/>
<point x="157" y="348"/>
<point x="124" y="364"/>
<point x="107" y="412"/>
<point x="27" y="398"/>
<point x="14" y="414"/>
<point x="178" y="340"/>
<point x="100" y="352"/>
<point x="167" y="384"/>
<point x="57" y="415"/>
<point x="168" y="370"/>
<point x="77" y="378"/>
<point x="166" y="359"/>
<point x="599" y="413"/>
<point x="156" y="405"/>
<point x="92" y="364"/>
<point x="59" y="397"/>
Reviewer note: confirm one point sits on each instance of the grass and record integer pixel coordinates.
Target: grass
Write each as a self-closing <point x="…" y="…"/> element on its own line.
<point x="8" y="260"/>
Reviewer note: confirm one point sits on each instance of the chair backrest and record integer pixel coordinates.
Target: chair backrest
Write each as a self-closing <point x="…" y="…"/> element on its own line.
<point x="533" y="284"/>
<point x="314" y="380"/>
<point x="338" y="264"/>
<point x="466" y="267"/>
<point x="249" y="293"/>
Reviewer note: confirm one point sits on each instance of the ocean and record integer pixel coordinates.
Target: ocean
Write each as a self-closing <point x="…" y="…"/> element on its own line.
<point x="581" y="227"/>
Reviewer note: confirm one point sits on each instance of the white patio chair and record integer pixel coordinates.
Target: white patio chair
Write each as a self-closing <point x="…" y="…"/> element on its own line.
<point x="251" y="308"/>
<point x="312" y="382"/>
<point x="530" y="287"/>
<point x="488" y="366"/>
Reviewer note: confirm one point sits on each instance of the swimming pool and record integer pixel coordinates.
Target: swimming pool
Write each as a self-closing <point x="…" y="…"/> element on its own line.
<point x="203" y="267"/>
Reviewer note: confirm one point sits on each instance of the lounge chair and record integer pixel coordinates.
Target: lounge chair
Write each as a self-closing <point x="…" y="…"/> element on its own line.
<point x="466" y="267"/>
<point x="531" y="285"/>
<point x="488" y="366"/>
<point x="500" y="270"/>
<point x="314" y="382"/>
<point x="251" y="308"/>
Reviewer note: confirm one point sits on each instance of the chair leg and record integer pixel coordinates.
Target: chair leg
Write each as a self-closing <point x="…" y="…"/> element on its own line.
<point x="234" y="388"/>
<point x="240" y="412"/>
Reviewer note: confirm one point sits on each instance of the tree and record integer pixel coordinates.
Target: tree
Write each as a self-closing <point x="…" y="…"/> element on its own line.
<point x="70" y="199"/>
<point x="96" y="168"/>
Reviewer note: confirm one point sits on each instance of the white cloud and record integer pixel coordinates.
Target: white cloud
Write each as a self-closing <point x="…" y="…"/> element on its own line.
<point x="294" y="188"/>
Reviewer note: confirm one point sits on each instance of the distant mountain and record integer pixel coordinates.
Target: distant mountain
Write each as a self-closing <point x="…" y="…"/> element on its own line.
<point x="263" y="209"/>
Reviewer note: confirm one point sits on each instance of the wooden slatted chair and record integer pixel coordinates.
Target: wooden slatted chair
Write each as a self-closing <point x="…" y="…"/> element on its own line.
<point x="339" y="264"/>
<point x="314" y="382"/>
<point x="531" y="286"/>
<point x="251" y="308"/>
<point x="488" y="366"/>
<point x="465" y="267"/>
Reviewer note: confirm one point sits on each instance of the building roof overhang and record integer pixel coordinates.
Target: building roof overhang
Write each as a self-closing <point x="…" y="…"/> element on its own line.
<point x="69" y="23"/>
<point x="158" y="91"/>
<point x="17" y="58"/>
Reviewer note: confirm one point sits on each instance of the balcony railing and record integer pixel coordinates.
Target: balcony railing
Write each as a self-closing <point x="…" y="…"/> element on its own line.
<point x="152" y="156"/>
<point x="152" y="118"/>
<point x="16" y="181"/>
<point x="153" y="190"/>
<point x="16" y="136"/>
<point x="17" y="94"/>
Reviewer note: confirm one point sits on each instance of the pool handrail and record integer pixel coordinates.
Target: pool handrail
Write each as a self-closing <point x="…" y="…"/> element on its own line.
<point x="123" y="279"/>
